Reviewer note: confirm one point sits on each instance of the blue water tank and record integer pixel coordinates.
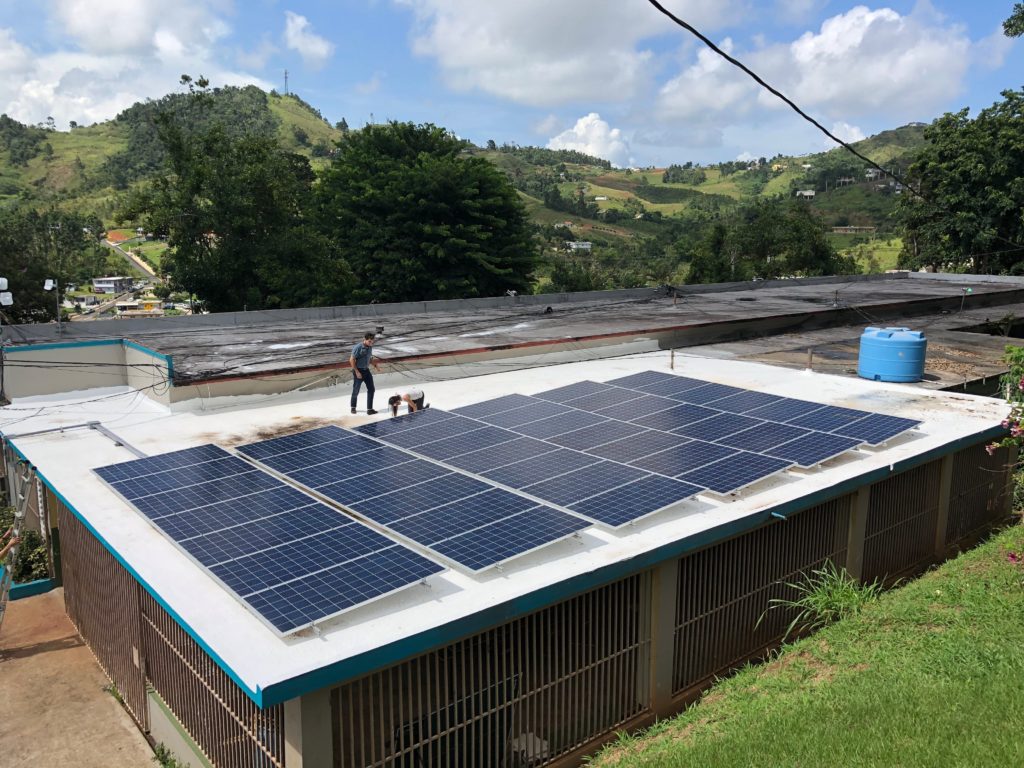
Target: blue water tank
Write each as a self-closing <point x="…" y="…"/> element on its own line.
<point x="892" y="354"/>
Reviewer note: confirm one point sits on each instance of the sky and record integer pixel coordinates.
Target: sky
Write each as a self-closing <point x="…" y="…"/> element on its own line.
<point x="612" y="78"/>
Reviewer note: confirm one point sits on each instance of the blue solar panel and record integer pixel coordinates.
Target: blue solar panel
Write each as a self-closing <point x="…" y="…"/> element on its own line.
<point x="629" y="503"/>
<point x="557" y="425"/>
<point x="377" y="460"/>
<point x="575" y="486"/>
<point x="671" y="386"/>
<point x="266" y="542"/>
<point x="709" y="393"/>
<point x="530" y="471"/>
<point x="497" y="405"/>
<point x="443" y="450"/>
<point x="745" y="402"/>
<point x="610" y="397"/>
<point x="599" y="434"/>
<point x="735" y="472"/>
<point x="813" y="448"/>
<point x="174" y="460"/>
<point x="639" y="379"/>
<point x="683" y="457"/>
<point x="410" y="438"/>
<point x="573" y="391"/>
<point x="785" y="409"/>
<point x="317" y="454"/>
<point x="384" y="427"/>
<point x="717" y="427"/>
<point x="829" y="418"/>
<point x="427" y="503"/>
<point x="637" y="408"/>
<point x="876" y="428"/>
<point x="501" y="454"/>
<point x="514" y="417"/>
<point x="298" y="441"/>
<point x="764" y="436"/>
<point x="632" y="448"/>
<point x="677" y="416"/>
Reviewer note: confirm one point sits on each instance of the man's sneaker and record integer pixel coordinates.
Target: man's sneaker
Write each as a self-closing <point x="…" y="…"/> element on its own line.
<point x="353" y="410"/>
<point x="371" y="412"/>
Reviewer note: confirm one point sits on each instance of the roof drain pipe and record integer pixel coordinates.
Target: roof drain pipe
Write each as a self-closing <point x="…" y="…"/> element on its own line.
<point x="779" y="516"/>
<point x="86" y="425"/>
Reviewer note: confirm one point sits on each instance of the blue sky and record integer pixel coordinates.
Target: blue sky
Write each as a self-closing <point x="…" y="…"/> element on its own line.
<point x="612" y="77"/>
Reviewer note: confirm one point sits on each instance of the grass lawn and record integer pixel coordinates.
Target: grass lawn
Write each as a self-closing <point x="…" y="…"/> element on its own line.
<point x="929" y="675"/>
<point x="873" y="256"/>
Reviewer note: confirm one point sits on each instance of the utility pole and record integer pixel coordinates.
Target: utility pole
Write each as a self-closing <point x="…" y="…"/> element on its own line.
<point x="286" y="81"/>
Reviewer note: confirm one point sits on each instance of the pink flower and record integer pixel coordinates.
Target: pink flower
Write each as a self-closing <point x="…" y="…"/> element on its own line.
<point x="1014" y="558"/>
<point x="1006" y="424"/>
<point x="991" y="448"/>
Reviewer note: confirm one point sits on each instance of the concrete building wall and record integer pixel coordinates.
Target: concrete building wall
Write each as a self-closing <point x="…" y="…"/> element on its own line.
<point x="47" y="369"/>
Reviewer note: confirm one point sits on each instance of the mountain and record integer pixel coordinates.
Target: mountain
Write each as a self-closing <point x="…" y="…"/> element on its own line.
<point x="86" y="168"/>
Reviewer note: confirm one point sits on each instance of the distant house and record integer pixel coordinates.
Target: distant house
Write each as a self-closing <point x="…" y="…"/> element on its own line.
<point x="872" y="174"/>
<point x="578" y="245"/>
<point x="808" y="193"/>
<point x="853" y="230"/>
<point x="111" y="284"/>
<point x="776" y="167"/>
<point x="599" y="198"/>
<point x="562" y="224"/>
<point x="806" y="166"/>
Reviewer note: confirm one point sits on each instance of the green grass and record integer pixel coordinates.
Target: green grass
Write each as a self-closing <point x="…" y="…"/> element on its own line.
<point x="874" y="256"/>
<point x="928" y="675"/>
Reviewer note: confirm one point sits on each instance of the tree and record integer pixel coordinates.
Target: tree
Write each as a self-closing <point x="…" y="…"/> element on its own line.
<point x="969" y="173"/>
<point x="35" y="247"/>
<point x="235" y="212"/>
<point x="491" y="145"/>
<point x="419" y="219"/>
<point x="342" y="125"/>
<point x="1014" y="26"/>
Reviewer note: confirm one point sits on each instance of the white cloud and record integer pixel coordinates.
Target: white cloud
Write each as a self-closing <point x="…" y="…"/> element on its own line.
<point x="369" y="86"/>
<point x="594" y="136"/>
<point x="846" y="132"/>
<point x="541" y="53"/>
<point x="118" y="53"/>
<point x="746" y="157"/>
<point x="299" y="36"/>
<point x="857" y="65"/>
<point x="797" y="11"/>
<point x="548" y="125"/>
<point x="990" y="52"/>
<point x="257" y="57"/>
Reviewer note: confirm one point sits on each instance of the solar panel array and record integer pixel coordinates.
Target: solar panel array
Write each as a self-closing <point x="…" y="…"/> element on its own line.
<point x="462" y="518"/>
<point x="476" y="486"/>
<point x="290" y="558"/>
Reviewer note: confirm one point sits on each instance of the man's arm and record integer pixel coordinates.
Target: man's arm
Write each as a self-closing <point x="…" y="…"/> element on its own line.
<point x="8" y="547"/>
<point x="352" y="365"/>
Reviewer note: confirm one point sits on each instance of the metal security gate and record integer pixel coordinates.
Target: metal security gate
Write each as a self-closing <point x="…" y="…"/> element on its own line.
<point x="723" y="590"/>
<point x="902" y="515"/>
<point x="102" y="600"/>
<point x="525" y="693"/>
<point x="977" y="496"/>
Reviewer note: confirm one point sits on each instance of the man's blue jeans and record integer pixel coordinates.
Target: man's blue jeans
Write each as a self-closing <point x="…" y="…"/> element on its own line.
<point x="357" y="385"/>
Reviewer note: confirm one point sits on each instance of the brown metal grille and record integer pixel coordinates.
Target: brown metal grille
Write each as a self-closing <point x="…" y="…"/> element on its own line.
<point x="523" y="693"/>
<point x="230" y="729"/>
<point x="102" y="600"/>
<point x="903" y="511"/>
<point x="977" y="495"/>
<point x="724" y="589"/>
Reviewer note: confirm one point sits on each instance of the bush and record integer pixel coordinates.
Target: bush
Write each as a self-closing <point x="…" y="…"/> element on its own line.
<point x="32" y="561"/>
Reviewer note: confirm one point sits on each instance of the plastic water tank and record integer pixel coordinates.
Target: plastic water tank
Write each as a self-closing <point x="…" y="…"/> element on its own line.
<point x="892" y="354"/>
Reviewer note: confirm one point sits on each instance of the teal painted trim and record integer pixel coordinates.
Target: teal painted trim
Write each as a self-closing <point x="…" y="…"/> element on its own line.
<point x="393" y="653"/>
<point x="159" y="355"/>
<point x="60" y="345"/>
<point x="31" y="588"/>
<point x="256" y="695"/>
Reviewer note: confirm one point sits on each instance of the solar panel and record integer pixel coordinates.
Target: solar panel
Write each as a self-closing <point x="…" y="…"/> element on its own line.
<point x="598" y="434"/>
<point x="638" y="407"/>
<point x="557" y="425"/>
<point x="745" y="401"/>
<point x="316" y="454"/>
<point x="497" y="405"/>
<point x="684" y="457"/>
<point x="288" y="557"/>
<point x="299" y="441"/>
<point x="717" y="427"/>
<point x="763" y="436"/>
<point x="813" y="448"/>
<point x="636" y="500"/>
<point x="639" y="379"/>
<point x="709" y="393"/>
<point x="735" y="472"/>
<point x="442" y="450"/>
<point x="677" y="416"/>
<point x="421" y="501"/>
<point x="610" y="397"/>
<point x="530" y="471"/>
<point x="671" y="386"/>
<point x="428" y="433"/>
<point x="575" y="486"/>
<point x="785" y="409"/>
<point x="829" y="418"/>
<point x="501" y="454"/>
<point x="632" y="448"/>
<point x="573" y="391"/>
<point x="876" y="428"/>
<point x="539" y="409"/>
<point x="401" y="423"/>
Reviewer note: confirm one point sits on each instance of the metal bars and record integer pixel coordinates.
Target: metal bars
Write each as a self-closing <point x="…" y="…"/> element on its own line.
<point x="724" y="589"/>
<point x="525" y="693"/>
<point x="977" y="495"/>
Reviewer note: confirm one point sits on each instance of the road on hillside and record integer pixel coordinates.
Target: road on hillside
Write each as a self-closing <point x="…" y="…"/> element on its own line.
<point x="103" y="307"/>
<point x="132" y="259"/>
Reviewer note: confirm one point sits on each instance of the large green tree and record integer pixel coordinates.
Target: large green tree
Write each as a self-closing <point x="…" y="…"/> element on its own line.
<point x="1014" y="26"/>
<point x="419" y="219"/>
<point x="970" y="214"/>
<point x="35" y="247"/>
<point x="235" y="212"/>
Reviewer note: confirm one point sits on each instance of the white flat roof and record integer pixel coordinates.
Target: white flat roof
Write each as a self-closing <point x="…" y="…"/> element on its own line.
<point x="260" y="660"/>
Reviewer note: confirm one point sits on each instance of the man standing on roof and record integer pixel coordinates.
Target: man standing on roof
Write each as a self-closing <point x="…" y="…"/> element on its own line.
<point x="359" y="361"/>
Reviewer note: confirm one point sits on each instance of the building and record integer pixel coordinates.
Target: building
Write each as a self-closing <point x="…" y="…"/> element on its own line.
<point x="578" y="245"/>
<point x="111" y="284"/>
<point x="805" y="193"/>
<point x="565" y="645"/>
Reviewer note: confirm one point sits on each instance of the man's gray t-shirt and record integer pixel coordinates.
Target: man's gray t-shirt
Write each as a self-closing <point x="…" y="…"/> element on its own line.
<point x="363" y="354"/>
